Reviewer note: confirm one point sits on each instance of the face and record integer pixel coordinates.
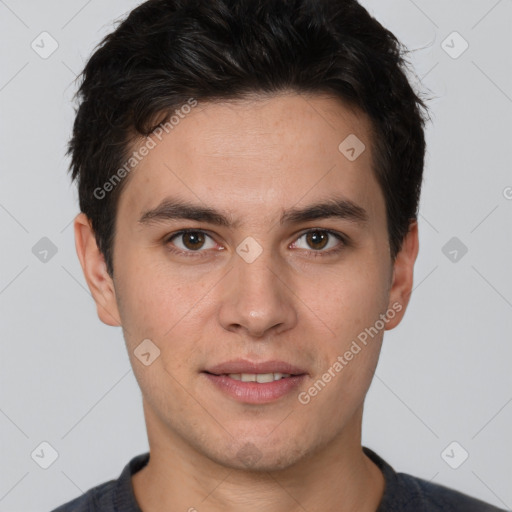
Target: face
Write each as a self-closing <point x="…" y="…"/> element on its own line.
<point x="284" y="269"/>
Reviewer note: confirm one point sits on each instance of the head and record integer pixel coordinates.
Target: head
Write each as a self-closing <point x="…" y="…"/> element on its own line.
<point x="286" y="138"/>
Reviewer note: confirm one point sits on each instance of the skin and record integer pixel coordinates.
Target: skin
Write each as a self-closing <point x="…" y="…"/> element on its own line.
<point x="251" y="159"/>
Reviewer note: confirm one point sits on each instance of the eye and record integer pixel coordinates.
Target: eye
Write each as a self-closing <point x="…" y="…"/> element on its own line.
<point x="320" y="240"/>
<point x="191" y="241"/>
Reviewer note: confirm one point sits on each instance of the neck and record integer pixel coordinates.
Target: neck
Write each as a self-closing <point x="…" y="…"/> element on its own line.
<point x="338" y="477"/>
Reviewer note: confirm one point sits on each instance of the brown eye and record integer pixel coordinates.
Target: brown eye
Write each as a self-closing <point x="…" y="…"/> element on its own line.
<point x="193" y="240"/>
<point x="317" y="239"/>
<point x="320" y="242"/>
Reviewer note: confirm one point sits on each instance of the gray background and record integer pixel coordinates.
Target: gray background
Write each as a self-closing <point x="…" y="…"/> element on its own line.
<point x="444" y="374"/>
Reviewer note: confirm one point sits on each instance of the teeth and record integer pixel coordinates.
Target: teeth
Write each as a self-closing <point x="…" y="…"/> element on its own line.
<point x="265" y="377"/>
<point x="258" y="377"/>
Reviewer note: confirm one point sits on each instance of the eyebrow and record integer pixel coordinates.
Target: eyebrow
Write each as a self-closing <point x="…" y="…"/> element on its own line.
<point x="172" y="209"/>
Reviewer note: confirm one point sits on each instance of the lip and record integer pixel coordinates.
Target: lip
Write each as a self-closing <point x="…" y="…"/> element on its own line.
<point x="245" y="366"/>
<point x="254" y="392"/>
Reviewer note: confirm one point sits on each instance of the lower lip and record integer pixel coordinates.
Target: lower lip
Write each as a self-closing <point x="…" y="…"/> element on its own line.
<point x="254" y="392"/>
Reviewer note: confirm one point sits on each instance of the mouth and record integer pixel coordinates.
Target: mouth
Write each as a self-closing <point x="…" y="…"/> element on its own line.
<point x="255" y="383"/>
<point x="261" y="378"/>
<point x="245" y="367"/>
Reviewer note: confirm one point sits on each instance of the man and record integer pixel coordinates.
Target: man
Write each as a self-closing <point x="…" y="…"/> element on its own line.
<point x="249" y="174"/>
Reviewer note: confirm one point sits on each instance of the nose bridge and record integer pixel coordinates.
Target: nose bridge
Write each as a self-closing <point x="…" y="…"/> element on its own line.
<point x="256" y="299"/>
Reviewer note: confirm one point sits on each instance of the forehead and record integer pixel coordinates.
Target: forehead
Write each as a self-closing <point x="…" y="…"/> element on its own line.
<point x="258" y="154"/>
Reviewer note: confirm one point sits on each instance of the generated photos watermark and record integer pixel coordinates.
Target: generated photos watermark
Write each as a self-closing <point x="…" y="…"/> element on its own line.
<point x="144" y="150"/>
<point x="355" y="348"/>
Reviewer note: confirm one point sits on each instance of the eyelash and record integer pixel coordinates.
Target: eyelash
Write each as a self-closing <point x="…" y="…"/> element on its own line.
<point x="312" y="253"/>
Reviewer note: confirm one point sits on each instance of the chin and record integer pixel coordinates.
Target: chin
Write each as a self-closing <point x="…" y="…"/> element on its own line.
<point x="261" y="455"/>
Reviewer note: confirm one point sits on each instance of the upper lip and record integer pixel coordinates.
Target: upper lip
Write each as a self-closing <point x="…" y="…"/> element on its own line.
<point x="245" y="366"/>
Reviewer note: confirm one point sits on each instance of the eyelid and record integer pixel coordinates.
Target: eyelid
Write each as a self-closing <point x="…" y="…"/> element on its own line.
<point x="339" y="236"/>
<point x="199" y="252"/>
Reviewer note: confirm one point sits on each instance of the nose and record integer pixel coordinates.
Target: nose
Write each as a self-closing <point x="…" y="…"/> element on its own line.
<point x="257" y="300"/>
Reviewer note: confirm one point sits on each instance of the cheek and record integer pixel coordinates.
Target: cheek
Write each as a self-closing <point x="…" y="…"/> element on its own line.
<point x="168" y="309"/>
<point x="350" y="298"/>
<point x="355" y="310"/>
<point x="153" y="299"/>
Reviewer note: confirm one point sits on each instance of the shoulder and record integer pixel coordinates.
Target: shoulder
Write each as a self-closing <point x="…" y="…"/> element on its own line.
<point x="436" y="497"/>
<point x="407" y="493"/>
<point x="112" y="496"/>
<point x="97" y="498"/>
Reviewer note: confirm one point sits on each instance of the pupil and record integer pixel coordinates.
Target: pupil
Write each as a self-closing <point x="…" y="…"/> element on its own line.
<point x="317" y="237"/>
<point x="193" y="240"/>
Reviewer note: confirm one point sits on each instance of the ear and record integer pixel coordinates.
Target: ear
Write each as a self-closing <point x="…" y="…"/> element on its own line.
<point x="403" y="273"/>
<point x="94" y="267"/>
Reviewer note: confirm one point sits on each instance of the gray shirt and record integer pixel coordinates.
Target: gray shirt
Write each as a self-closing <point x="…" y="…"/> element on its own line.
<point x="403" y="493"/>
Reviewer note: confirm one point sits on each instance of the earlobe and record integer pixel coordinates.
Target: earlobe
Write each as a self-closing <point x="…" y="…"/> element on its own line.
<point x="403" y="274"/>
<point x="95" y="272"/>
